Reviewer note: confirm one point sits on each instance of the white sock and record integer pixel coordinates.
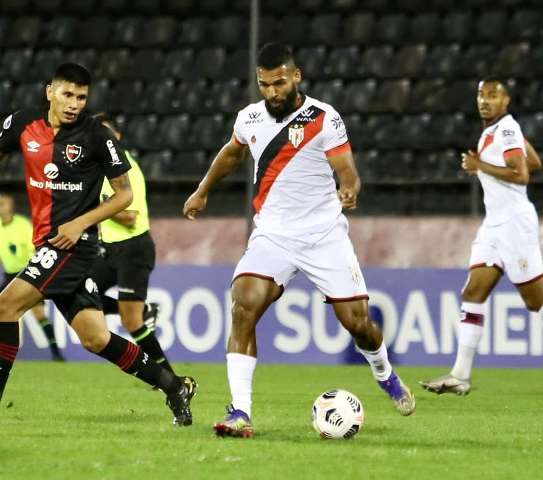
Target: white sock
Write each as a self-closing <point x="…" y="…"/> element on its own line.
<point x="469" y="335"/>
<point x="378" y="360"/>
<point x="240" y="370"/>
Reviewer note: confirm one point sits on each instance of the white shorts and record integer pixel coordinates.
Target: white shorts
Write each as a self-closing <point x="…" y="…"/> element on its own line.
<point x="512" y="246"/>
<point x="326" y="258"/>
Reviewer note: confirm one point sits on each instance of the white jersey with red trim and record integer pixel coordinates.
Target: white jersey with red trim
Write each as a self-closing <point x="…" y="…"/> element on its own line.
<point x="503" y="200"/>
<point x="294" y="183"/>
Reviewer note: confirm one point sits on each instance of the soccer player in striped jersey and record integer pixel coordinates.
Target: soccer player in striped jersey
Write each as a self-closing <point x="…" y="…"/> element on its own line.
<point x="297" y="143"/>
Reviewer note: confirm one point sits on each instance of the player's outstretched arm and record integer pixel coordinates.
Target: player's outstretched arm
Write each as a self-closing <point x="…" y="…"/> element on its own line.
<point x="226" y="161"/>
<point x="515" y="171"/>
<point x="349" y="180"/>
<point x="532" y="157"/>
<point x="70" y="232"/>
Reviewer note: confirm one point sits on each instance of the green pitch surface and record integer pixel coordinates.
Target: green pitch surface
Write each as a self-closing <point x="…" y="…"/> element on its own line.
<point x="90" y="421"/>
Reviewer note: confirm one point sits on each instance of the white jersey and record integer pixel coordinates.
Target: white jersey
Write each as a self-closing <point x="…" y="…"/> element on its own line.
<point x="503" y="200"/>
<point x="294" y="184"/>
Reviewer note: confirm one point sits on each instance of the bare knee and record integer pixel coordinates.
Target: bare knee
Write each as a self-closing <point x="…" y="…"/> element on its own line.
<point x="245" y="311"/>
<point x="94" y="342"/>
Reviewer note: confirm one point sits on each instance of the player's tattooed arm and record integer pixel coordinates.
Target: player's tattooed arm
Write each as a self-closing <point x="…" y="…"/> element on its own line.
<point x="349" y="180"/>
<point x="226" y="161"/>
<point x="70" y="232"/>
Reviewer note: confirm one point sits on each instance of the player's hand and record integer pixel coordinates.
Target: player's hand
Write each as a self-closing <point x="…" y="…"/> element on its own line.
<point x="470" y="162"/>
<point x="194" y="205"/>
<point x="67" y="235"/>
<point x="347" y="197"/>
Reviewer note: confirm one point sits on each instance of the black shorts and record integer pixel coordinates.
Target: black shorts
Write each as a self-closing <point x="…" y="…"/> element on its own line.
<point x="64" y="277"/>
<point x="127" y="264"/>
<point x="8" y="277"/>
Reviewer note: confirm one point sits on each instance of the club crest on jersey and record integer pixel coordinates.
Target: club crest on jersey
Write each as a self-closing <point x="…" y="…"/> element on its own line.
<point x="73" y="152"/>
<point x="296" y="135"/>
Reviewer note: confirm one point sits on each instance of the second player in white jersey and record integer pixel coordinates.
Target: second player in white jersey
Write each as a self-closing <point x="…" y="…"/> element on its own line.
<point x="294" y="183"/>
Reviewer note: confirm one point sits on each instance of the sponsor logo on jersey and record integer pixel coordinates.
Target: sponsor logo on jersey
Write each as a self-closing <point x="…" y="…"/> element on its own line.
<point x="306" y="115"/>
<point x="523" y="264"/>
<point x="90" y="286"/>
<point x="32" y="146"/>
<point x="338" y="124"/>
<point x="115" y="160"/>
<point x="254" y="117"/>
<point x="296" y="134"/>
<point x="73" y="152"/>
<point x="508" y="133"/>
<point x="51" y="171"/>
<point x="63" y="186"/>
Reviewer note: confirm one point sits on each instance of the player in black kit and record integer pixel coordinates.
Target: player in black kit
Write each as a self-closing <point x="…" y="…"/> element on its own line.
<point x="67" y="154"/>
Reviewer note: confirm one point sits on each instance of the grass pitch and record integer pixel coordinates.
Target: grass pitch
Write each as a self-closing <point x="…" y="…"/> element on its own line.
<point x="90" y="421"/>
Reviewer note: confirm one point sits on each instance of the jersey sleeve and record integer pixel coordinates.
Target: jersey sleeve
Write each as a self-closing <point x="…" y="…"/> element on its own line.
<point x="238" y="130"/>
<point x="137" y="182"/>
<point x="335" y="139"/>
<point x="511" y="140"/>
<point x="12" y="127"/>
<point x="110" y="155"/>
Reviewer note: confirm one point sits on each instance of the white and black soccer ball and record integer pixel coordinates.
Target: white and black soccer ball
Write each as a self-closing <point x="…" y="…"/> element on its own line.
<point x="337" y="414"/>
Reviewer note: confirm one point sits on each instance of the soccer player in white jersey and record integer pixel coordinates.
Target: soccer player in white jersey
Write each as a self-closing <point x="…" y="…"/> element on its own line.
<point x="508" y="239"/>
<point x="297" y="142"/>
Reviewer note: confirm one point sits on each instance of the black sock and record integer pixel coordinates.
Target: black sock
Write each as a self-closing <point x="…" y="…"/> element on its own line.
<point x="110" y="305"/>
<point x="131" y="359"/>
<point x="50" y="334"/>
<point x="148" y="342"/>
<point x="9" y="346"/>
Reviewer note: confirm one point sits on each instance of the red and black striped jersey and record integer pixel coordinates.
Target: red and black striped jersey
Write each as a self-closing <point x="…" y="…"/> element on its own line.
<point x="63" y="172"/>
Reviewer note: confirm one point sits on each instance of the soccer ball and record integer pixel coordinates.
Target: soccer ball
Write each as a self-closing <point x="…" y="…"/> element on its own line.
<point x="337" y="414"/>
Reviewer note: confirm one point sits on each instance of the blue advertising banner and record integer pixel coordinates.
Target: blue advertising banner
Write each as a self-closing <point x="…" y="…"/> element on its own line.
<point x="417" y="308"/>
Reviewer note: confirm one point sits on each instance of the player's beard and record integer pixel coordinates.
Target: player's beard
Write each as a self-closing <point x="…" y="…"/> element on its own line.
<point x="286" y="108"/>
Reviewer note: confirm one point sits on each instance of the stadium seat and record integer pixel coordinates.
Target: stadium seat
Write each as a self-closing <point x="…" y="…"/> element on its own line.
<point x="193" y="96"/>
<point x="5" y="30"/>
<point x="141" y="132"/>
<point x="525" y="24"/>
<point x="47" y="6"/>
<point x="358" y="28"/>
<point x="342" y="63"/>
<point x="156" y="165"/>
<point x="236" y="64"/>
<point x="408" y="61"/>
<point x="178" y="63"/>
<point x="144" y="64"/>
<point x="354" y="126"/>
<point x="145" y="7"/>
<point x="457" y="27"/>
<point x="94" y="32"/>
<point x="331" y="91"/>
<point x="159" y="32"/>
<point x="478" y="61"/>
<point x="209" y="63"/>
<point x="211" y="132"/>
<point x="529" y="98"/>
<point x="461" y="96"/>
<point x="424" y="27"/>
<point x="231" y="96"/>
<point x="532" y="128"/>
<point x="129" y="97"/>
<point x="512" y="61"/>
<point x="100" y="98"/>
<point x="391" y="96"/>
<point x="14" y="7"/>
<point x="324" y="29"/>
<point x="391" y="28"/>
<point x="5" y="98"/>
<point x="428" y="96"/>
<point x="311" y="6"/>
<point x="536" y="59"/>
<point x="113" y="63"/>
<point x="230" y="31"/>
<point x="24" y="31"/>
<point x="28" y="95"/>
<point x="193" y="31"/>
<point x="127" y="32"/>
<point x="358" y="96"/>
<point x="161" y="97"/>
<point x="16" y="63"/>
<point x="81" y="7"/>
<point x="294" y="29"/>
<point x="60" y="32"/>
<point x="183" y="7"/>
<point x="45" y="62"/>
<point x="191" y="164"/>
<point x="377" y="129"/>
<point x="443" y="61"/>
<point x="88" y="58"/>
<point x="212" y="6"/>
<point x="312" y="61"/>
<point x="114" y="6"/>
<point x="376" y="61"/>
<point x="175" y="132"/>
<point x="490" y="25"/>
